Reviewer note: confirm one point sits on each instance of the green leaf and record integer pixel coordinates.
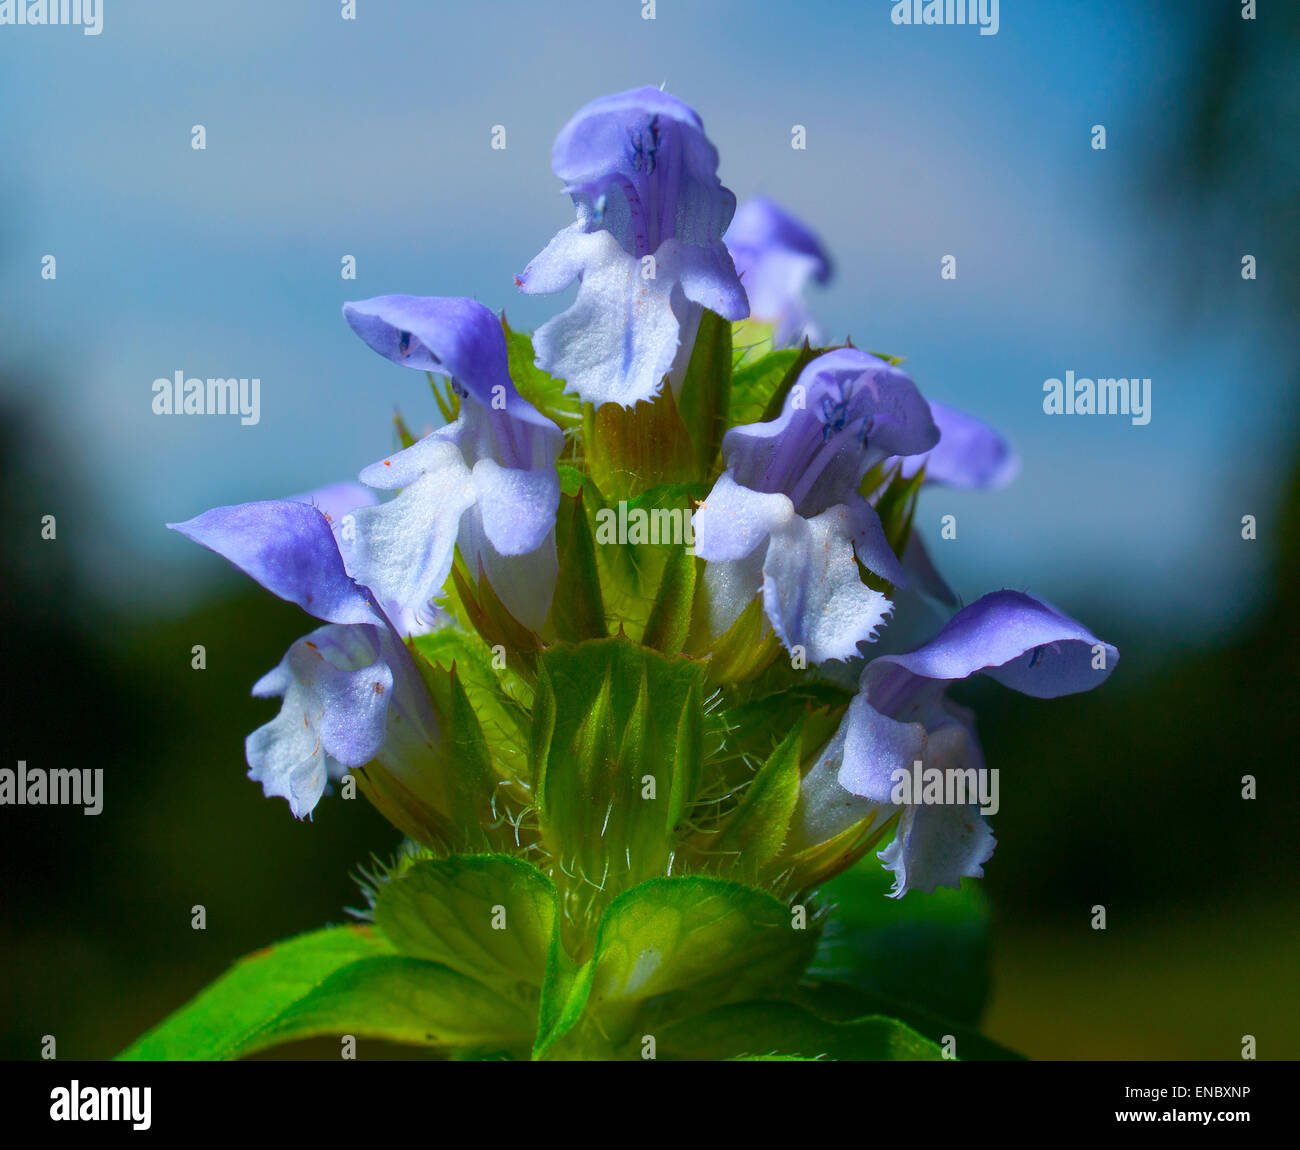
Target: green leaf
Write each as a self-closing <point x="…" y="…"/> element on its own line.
<point x="635" y="541"/>
<point x="223" y="1017"/>
<point x="404" y="437"/>
<point x="756" y="830"/>
<point x="630" y="450"/>
<point x="444" y="799"/>
<point x="743" y="652"/>
<point x="578" y="610"/>
<point x="670" y="616"/>
<point x="493" y="689"/>
<point x="400" y="999"/>
<point x="750" y="339"/>
<point x="542" y="390"/>
<point x="471" y="776"/>
<point x="840" y="1002"/>
<point x="706" y="390"/>
<point x="804" y="357"/>
<point x="773" y="1058"/>
<point x="615" y="740"/>
<point x="490" y="917"/>
<point x="755" y="382"/>
<point x="893" y="360"/>
<point x="672" y="947"/>
<point x="498" y="697"/>
<point x="342" y="980"/>
<point x="896" y="507"/>
<point x="765" y="1029"/>
<point x="564" y="998"/>
<point x="926" y="950"/>
<point x="444" y="396"/>
<point x="488" y="616"/>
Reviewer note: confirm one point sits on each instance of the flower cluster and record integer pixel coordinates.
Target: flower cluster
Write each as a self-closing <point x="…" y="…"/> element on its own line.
<point x="500" y="680"/>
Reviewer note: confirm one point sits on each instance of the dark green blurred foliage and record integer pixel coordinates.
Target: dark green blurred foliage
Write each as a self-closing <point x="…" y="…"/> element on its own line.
<point x="95" y="931"/>
<point x="1131" y="797"/>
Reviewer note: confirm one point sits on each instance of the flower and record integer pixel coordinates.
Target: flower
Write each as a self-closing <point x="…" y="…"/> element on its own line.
<point x="337" y="501"/>
<point x="647" y="247"/>
<point x="289" y="547"/>
<point x="351" y="690"/>
<point x="786" y="519"/>
<point x="776" y="255"/>
<point x="970" y="454"/>
<point x="336" y="690"/>
<point x="901" y="718"/>
<point x="486" y="482"/>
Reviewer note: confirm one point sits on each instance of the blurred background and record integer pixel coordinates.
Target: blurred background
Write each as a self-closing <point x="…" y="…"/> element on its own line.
<point x="371" y="138"/>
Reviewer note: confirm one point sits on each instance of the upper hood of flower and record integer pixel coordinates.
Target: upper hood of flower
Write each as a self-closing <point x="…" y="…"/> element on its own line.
<point x="639" y="166"/>
<point x="290" y="548"/>
<point x="463" y="340"/>
<point x="1009" y="636"/>
<point x="969" y="454"/>
<point x="848" y="411"/>
<point x="776" y="255"/>
<point x="762" y="227"/>
<point x="646" y="248"/>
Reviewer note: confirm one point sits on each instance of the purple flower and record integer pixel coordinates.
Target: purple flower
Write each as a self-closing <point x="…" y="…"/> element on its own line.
<point x="337" y="501"/>
<point x="901" y="719"/>
<point x="786" y="519"/>
<point x="351" y="691"/>
<point x="289" y="547"/>
<point x="647" y="247"/>
<point x="336" y="690"/>
<point x="969" y="454"/>
<point x="486" y="482"/>
<point x="776" y="255"/>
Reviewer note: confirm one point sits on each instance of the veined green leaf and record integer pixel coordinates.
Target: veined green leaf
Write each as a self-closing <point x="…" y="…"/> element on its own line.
<point x="783" y="1029"/>
<point x="896" y="507"/>
<point x="222" y="1018"/>
<point x="677" y="946"/>
<point x="401" y="999"/>
<point x="743" y="652"/>
<point x="490" y="917"/>
<point x="750" y="340"/>
<point x="840" y="1002"/>
<point x="487" y="615"/>
<point x="564" y="998"/>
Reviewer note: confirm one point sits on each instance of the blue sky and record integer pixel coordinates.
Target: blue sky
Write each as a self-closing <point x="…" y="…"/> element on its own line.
<point x="372" y="138"/>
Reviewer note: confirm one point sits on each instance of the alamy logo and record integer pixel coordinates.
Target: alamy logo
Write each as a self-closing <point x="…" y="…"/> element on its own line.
<point x="181" y="396"/>
<point x="77" y="1103"/>
<point x="949" y="787"/>
<point x="88" y="13"/>
<point x="636" y="525"/>
<point x="58" y="788"/>
<point x="1084" y="396"/>
<point x="981" y="12"/>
